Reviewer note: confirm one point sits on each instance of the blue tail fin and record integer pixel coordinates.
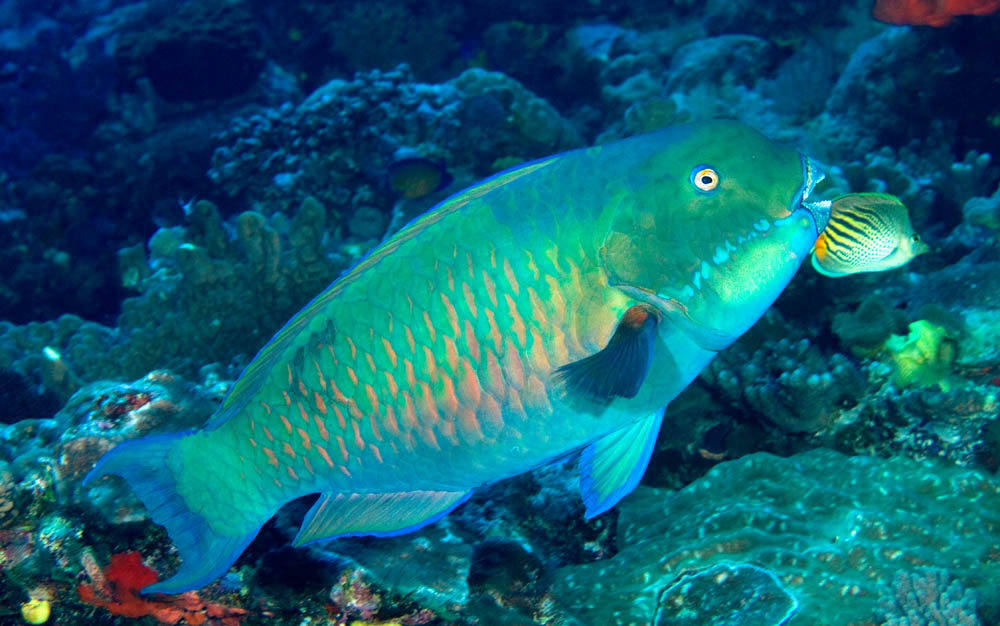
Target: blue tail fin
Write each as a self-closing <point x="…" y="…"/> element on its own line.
<point x="151" y="468"/>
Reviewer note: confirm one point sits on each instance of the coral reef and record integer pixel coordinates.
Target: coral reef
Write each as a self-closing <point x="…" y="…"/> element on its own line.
<point x="831" y="529"/>
<point x="925" y="597"/>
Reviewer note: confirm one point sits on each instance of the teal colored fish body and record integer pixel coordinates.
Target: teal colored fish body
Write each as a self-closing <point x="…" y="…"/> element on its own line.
<point x="553" y="308"/>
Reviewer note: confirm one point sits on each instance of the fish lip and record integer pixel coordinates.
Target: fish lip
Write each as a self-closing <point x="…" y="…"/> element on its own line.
<point x="812" y="174"/>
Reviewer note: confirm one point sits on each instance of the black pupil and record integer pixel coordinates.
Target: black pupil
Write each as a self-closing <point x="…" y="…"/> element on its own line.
<point x="706" y="179"/>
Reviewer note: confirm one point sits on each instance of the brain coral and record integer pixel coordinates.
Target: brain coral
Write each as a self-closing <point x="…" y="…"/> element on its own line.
<point x="833" y="530"/>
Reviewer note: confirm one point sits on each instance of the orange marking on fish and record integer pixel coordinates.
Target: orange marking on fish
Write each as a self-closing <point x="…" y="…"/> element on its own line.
<point x="271" y="458"/>
<point x="354" y="410"/>
<point x="411" y="379"/>
<point x="343" y="448"/>
<point x="538" y="308"/>
<point x="352" y="375"/>
<point x="448" y="397"/>
<point x="450" y="278"/>
<point x="354" y="350"/>
<point x="253" y="425"/>
<point x="552" y="254"/>
<point x="333" y="354"/>
<point x="409" y="413"/>
<point x="338" y="396"/>
<point x="321" y="425"/>
<point x="371" y="362"/>
<point x="513" y="367"/>
<point x="320" y="404"/>
<point x="493" y="257"/>
<point x="266" y="408"/>
<point x="451" y="354"/>
<point x="431" y="365"/>
<point x="277" y="483"/>
<point x="345" y="471"/>
<point x="372" y="397"/>
<point x="319" y="375"/>
<point x="390" y="321"/>
<point x="470" y="265"/>
<point x="469" y="425"/>
<point x="340" y="418"/>
<point x="450" y="314"/>
<point x="395" y="450"/>
<point x="470" y="300"/>
<point x="288" y="425"/>
<point x="494" y="376"/>
<point x="427" y="434"/>
<point x="430" y="327"/>
<point x="390" y="421"/>
<point x="491" y="290"/>
<point x="409" y="340"/>
<point x="303" y="390"/>
<point x="536" y="395"/>
<point x="429" y="414"/>
<point x="514" y="404"/>
<point x="539" y="359"/>
<point x="308" y="465"/>
<point x="468" y="384"/>
<point x="302" y="412"/>
<point x="389" y="352"/>
<point x="390" y="382"/>
<point x="376" y="453"/>
<point x="288" y="398"/>
<point x="252" y="442"/>
<point x="409" y="301"/>
<point x="287" y="448"/>
<point x="373" y="420"/>
<point x="471" y="343"/>
<point x="531" y="266"/>
<point x="306" y="442"/>
<point x="288" y="366"/>
<point x="326" y="457"/>
<point x="371" y="334"/>
<point x="491" y="412"/>
<point x="494" y="331"/>
<point x="516" y="323"/>
<point x="358" y="441"/>
<point x="508" y="273"/>
<point x="448" y="431"/>
<point x="267" y="433"/>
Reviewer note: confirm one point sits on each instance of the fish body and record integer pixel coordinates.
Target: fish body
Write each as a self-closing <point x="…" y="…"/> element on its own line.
<point x="867" y="232"/>
<point x="930" y="12"/>
<point x="414" y="177"/>
<point x="553" y="308"/>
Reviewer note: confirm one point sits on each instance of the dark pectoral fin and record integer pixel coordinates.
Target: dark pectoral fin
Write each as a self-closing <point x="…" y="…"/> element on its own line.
<point x="620" y="368"/>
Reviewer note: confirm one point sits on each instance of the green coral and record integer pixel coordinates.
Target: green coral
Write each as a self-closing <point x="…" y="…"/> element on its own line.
<point x="834" y="530"/>
<point x="922" y="357"/>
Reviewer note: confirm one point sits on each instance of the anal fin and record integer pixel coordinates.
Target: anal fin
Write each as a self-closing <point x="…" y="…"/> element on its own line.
<point x="611" y="467"/>
<point x="378" y="514"/>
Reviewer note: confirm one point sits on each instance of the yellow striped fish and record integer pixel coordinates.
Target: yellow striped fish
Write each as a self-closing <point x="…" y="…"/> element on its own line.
<point x="867" y="232"/>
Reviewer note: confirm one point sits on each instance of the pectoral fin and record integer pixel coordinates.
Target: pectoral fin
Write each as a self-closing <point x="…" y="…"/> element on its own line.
<point x="620" y="368"/>
<point x="611" y="467"/>
<point x="378" y="514"/>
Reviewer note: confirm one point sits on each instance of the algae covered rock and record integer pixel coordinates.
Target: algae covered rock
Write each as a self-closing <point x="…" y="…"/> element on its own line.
<point x="833" y="531"/>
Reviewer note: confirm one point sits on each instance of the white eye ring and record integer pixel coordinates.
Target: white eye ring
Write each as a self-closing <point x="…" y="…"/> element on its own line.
<point x="704" y="178"/>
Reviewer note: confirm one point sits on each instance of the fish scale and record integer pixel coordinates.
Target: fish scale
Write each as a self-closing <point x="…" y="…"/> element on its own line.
<point x="544" y="311"/>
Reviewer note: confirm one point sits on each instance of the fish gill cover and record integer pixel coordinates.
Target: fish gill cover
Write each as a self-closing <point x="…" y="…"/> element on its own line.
<point x="177" y="181"/>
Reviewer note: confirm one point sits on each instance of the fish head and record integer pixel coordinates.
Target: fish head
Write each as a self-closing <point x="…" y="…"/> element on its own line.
<point x="718" y="222"/>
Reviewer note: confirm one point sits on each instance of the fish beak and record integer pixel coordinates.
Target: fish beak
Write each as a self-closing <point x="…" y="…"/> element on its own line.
<point x="812" y="173"/>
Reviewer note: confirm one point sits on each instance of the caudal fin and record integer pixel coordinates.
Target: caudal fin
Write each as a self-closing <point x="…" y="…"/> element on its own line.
<point x="206" y="553"/>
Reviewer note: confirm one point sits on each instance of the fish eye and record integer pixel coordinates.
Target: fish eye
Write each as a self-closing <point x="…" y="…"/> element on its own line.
<point x="704" y="178"/>
<point x="916" y="238"/>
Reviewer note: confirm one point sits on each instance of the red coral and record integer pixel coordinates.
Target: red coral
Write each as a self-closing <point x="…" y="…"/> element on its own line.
<point x="119" y="594"/>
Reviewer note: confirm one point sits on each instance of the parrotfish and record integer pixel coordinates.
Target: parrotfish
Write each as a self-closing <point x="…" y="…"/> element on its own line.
<point x="867" y="232"/>
<point x="554" y="308"/>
